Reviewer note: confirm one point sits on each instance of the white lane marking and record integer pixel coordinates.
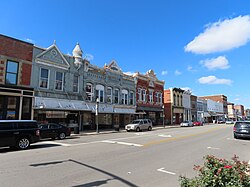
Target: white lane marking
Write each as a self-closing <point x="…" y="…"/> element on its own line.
<point x="213" y="148"/>
<point x="121" y="143"/>
<point x="165" y="135"/>
<point x="164" y="171"/>
<point x="142" y="133"/>
<point x="53" y="143"/>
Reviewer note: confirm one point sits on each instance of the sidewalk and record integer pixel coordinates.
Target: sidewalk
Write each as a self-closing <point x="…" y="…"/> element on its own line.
<point x="109" y="131"/>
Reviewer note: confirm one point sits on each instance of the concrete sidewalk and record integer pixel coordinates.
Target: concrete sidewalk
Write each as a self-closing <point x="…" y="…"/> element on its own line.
<point x="109" y="131"/>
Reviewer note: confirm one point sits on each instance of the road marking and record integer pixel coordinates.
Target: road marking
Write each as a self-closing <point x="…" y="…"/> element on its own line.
<point x="182" y="137"/>
<point x="164" y="171"/>
<point x="121" y="143"/>
<point x="215" y="148"/>
<point x="142" y="133"/>
<point x="53" y="143"/>
<point x="165" y="135"/>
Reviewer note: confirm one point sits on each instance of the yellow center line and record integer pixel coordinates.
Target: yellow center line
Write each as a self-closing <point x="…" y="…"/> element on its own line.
<point x="180" y="137"/>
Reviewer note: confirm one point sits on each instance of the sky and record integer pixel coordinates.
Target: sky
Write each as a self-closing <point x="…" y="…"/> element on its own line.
<point x="199" y="45"/>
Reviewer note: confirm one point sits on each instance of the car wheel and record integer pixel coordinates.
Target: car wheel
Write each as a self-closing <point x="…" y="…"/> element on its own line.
<point x="149" y="128"/>
<point x="137" y="129"/>
<point x="23" y="143"/>
<point x="236" y="137"/>
<point x="62" y="136"/>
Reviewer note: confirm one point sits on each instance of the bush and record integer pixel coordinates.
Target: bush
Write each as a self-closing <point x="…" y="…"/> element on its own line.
<point x="219" y="173"/>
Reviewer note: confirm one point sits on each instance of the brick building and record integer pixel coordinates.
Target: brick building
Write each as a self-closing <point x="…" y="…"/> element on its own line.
<point x="16" y="95"/>
<point x="173" y="105"/>
<point x="240" y="113"/>
<point x="149" y="96"/>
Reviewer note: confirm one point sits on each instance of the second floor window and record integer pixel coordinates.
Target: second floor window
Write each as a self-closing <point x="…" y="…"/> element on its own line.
<point x="150" y="93"/>
<point x="89" y="91"/>
<point x="11" y="72"/>
<point x="143" y="93"/>
<point x="99" y="92"/>
<point x="44" y="78"/>
<point x="131" y="98"/>
<point x="109" y="95"/>
<point x="139" y="95"/>
<point x="116" y="96"/>
<point x="76" y="83"/>
<point x="59" y="81"/>
<point x="124" y="97"/>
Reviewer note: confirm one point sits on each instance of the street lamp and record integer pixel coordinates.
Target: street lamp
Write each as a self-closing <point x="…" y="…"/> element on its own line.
<point x="163" y="116"/>
<point x="96" y="114"/>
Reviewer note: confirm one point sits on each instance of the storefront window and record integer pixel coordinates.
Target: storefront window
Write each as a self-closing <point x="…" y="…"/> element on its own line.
<point x="11" y="72"/>
<point x="26" y="110"/>
<point x="44" y="78"/>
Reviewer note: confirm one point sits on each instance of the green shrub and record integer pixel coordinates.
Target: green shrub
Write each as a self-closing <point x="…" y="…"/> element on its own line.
<point x="219" y="173"/>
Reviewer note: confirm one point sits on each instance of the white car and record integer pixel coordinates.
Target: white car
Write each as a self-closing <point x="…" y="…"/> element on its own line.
<point x="139" y="124"/>
<point x="229" y="122"/>
<point x="186" y="124"/>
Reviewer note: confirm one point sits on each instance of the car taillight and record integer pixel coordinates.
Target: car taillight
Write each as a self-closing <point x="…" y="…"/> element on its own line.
<point x="69" y="130"/>
<point x="38" y="132"/>
<point x="234" y="129"/>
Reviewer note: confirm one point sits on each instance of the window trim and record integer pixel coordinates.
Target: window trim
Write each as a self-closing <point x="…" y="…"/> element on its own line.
<point x="56" y="80"/>
<point x="92" y="91"/>
<point x="77" y="83"/>
<point x="16" y="81"/>
<point x="111" y="95"/>
<point x="100" y="88"/>
<point x="47" y="78"/>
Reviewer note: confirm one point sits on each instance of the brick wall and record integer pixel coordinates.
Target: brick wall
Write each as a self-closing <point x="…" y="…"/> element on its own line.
<point x="15" y="48"/>
<point x="25" y="74"/>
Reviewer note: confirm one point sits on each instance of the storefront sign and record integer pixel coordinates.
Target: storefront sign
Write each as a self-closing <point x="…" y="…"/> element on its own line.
<point x="56" y="114"/>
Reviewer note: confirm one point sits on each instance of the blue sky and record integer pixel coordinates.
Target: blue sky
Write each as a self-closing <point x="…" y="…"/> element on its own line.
<point x="201" y="45"/>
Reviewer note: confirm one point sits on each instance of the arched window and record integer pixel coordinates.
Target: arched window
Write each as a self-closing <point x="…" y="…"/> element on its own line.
<point x="109" y="95"/>
<point x="99" y="93"/>
<point x="116" y="96"/>
<point x="125" y="97"/>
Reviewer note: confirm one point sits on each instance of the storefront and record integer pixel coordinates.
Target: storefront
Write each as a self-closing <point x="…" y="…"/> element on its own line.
<point x="16" y="103"/>
<point x="152" y="113"/>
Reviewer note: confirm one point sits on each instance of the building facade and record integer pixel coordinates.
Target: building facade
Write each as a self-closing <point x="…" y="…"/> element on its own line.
<point x="186" y="96"/>
<point x="239" y="110"/>
<point x="173" y="105"/>
<point x="16" y="96"/>
<point x="149" y="96"/>
<point x="193" y="99"/>
<point x="231" y="111"/>
<point x="70" y="90"/>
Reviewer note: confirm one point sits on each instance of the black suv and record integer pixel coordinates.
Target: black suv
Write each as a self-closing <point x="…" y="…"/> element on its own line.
<point x="18" y="133"/>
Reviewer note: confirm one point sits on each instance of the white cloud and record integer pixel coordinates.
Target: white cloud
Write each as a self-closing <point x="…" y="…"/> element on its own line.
<point x="164" y="72"/>
<point x="29" y="40"/>
<point x="237" y="99"/>
<point x="177" y="72"/>
<point x="214" y="80"/>
<point x="128" y="73"/>
<point x="220" y="62"/>
<point x="221" y="36"/>
<point x="191" y="69"/>
<point x="89" y="57"/>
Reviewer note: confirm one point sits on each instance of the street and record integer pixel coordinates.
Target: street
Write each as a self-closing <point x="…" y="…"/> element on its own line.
<point x="148" y="158"/>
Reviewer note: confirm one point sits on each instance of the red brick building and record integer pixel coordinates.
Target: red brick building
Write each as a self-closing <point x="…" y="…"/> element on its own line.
<point x="15" y="75"/>
<point x="149" y="97"/>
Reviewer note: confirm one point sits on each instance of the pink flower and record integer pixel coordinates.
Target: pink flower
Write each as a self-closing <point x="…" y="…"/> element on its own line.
<point x="228" y="167"/>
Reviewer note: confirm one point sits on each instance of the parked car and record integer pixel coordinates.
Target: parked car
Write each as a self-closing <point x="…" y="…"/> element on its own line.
<point x="197" y="123"/>
<point x="54" y="130"/>
<point x="241" y="129"/>
<point x="220" y="121"/>
<point x="186" y="124"/>
<point x="18" y="133"/>
<point x="229" y="122"/>
<point x="139" y="124"/>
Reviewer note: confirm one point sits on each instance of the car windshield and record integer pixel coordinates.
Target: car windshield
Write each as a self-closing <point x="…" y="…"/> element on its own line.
<point x="135" y="122"/>
<point x="185" y="121"/>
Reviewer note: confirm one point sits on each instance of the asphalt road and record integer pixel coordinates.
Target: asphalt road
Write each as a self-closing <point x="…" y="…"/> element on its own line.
<point x="155" y="158"/>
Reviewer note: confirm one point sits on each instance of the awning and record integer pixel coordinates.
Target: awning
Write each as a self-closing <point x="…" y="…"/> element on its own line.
<point x="124" y="110"/>
<point x="206" y="114"/>
<point x="60" y="104"/>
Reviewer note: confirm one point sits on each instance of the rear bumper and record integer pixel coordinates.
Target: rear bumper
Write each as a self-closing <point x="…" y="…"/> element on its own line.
<point x="241" y="135"/>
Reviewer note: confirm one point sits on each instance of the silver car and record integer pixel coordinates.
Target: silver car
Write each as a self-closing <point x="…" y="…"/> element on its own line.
<point x="186" y="124"/>
<point x="139" y="124"/>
